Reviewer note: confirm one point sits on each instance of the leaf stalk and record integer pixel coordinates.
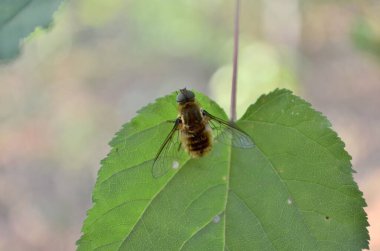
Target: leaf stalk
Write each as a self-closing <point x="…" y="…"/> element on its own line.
<point x="235" y="62"/>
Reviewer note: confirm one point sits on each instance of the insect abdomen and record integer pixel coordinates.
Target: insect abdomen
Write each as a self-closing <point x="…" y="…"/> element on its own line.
<point x="198" y="144"/>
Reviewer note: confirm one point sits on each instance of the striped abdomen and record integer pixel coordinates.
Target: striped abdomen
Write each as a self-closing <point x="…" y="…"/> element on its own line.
<point x="196" y="134"/>
<point x="197" y="143"/>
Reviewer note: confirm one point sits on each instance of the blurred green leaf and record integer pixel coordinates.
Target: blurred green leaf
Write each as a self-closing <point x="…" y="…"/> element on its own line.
<point x="261" y="69"/>
<point x="365" y="37"/>
<point x="99" y="12"/>
<point x="181" y="28"/>
<point x="19" y="18"/>
<point x="293" y="191"/>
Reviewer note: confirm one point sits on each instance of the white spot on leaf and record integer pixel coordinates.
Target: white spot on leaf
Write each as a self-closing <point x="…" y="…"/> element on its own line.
<point x="216" y="219"/>
<point x="175" y="164"/>
<point x="289" y="201"/>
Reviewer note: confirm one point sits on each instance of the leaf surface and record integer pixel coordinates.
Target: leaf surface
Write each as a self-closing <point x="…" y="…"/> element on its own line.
<point x="293" y="191"/>
<point x="19" y="18"/>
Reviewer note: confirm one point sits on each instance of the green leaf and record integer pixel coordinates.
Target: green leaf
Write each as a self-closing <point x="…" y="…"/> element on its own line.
<point x="19" y="18"/>
<point x="293" y="191"/>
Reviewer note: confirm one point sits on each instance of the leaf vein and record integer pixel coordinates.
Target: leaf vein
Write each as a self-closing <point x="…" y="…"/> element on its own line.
<point x="149" y="204"/>
<point x="286" y="187"/>
<point x="266" y="103"/>
<point x="196" y="232"/>
<point x="114" y="208"/>
<point x="251" y="211"/>
<point x="201" y="194"/>
<point x="322" y="185"/>
<point x="15" y="14"/>
<point x="306" y="136"/>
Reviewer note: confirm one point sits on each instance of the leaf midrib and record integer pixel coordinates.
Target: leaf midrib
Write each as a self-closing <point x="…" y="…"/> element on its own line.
<point x="227" y="193"/>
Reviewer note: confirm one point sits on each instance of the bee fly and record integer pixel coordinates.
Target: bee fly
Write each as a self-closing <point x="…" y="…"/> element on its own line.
<point x="194" y="128"/>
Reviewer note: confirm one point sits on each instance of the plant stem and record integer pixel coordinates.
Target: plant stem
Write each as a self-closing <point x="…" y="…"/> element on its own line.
<point x="235" y="62"/>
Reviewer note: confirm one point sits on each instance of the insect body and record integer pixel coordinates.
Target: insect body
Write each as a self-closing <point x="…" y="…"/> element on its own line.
<point x="193" y="131"/>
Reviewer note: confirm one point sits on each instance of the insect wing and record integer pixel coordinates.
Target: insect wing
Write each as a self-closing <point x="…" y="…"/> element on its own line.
<point x="169" y="154"/>
<point x="228" y="133"/>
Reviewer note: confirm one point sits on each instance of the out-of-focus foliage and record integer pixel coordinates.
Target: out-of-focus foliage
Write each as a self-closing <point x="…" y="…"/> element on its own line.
<point x="366" y="37"/>
<point x="195" y="33"/>
<point x="99" y="12"/>
<point x="293" y="191"/>
<point x="260" y="70"/>
<point x="18" y="18"/>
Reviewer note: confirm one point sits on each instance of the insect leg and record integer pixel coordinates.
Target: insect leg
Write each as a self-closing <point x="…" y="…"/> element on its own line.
<point x="171" y="121"/>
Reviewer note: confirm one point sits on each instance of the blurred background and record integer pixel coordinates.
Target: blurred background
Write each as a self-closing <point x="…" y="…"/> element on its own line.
<point x="74" y="85"/>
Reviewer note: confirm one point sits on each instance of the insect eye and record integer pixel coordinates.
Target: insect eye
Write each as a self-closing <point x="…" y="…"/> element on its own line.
<point x="188" y="94"/>
<point x="181" y="98"/>
<point x="185" y="95"/>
